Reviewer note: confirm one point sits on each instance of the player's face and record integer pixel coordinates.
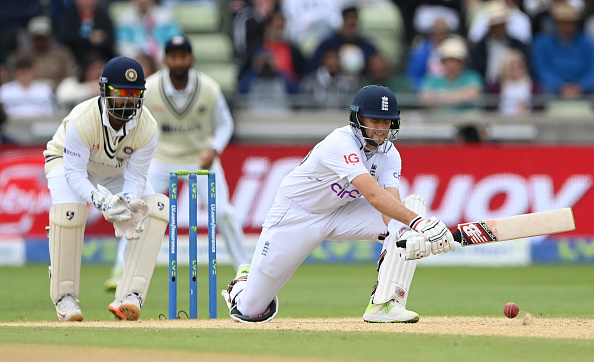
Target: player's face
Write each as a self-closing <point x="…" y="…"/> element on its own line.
<point x="179" y="63"/>
<point x="122" y="104"/>
<point x="376" y="129"/>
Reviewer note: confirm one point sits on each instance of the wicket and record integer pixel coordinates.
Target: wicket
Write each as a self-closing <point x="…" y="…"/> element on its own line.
<point x="193" y="240"/>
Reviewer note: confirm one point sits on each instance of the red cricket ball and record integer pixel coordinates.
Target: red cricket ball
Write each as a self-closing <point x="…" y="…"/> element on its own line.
<point x="511" y="310"/>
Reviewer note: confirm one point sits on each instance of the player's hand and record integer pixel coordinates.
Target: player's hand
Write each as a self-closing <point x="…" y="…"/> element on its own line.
<point x="113" y="207"/>
<point x="417" y="247"/>
<point x="435" y="232"/>
<point x="207" y="158"/>
<point x="133" y="227"/>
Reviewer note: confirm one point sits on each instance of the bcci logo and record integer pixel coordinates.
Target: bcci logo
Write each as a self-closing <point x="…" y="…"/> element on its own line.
<point x="384" y="103"/>
<point x="131" y="75"/>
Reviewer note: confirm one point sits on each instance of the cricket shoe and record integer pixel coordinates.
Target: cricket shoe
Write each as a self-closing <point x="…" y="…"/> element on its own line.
<point x="236" y="286"/>
<point x="68" y="310"/>
<point x="390" y="312"/>
<point x="128" y="308"/>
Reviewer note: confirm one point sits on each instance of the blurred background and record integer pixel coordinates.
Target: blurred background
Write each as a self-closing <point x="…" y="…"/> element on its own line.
<point x="500" y="93"/>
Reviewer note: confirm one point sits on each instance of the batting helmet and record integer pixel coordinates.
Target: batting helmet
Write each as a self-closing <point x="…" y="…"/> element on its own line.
<point x="379" y="102"/>
<point x="124" y="77"/>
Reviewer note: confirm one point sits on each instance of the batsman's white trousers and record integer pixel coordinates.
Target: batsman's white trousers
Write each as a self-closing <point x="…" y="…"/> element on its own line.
<point x="290" y="234"/>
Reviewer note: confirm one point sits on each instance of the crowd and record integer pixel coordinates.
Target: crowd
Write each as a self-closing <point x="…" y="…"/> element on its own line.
<point x="458" y="55"/>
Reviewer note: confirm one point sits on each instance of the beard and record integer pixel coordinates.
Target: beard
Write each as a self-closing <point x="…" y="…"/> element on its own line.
<point x="179" y="74"/>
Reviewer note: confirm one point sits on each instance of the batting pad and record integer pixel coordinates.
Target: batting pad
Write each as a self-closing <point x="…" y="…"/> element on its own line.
<point x="142" y="253"/>
<point x="395" y="272"/>
<point x="66" y="236"/>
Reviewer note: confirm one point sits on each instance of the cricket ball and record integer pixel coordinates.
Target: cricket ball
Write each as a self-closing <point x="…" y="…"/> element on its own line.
<point x="511" y="310"/>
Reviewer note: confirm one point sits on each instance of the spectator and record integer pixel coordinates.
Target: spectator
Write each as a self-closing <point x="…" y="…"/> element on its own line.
<point x="564" y="60"/>
<point x="265" y="86"/>
<point x="287" y="57"/>
<point x="459" y="89"/>
<point x="471" y="133"/>
<point x="419" y="16"/>
<point x="330" y="86"/>
<point x="423" y="58"/>
<point x="52" y="62"/>
<point x="518" y="24"/>
<point x="348" y="35"/>
<point x="487" y="54"/>
<point x="311" y="20"/>
<point x="540" y="14"/>
<point x="76" y="89"/>
<point x="515" y="86"/>
<point x="249" y="24"/>
<point x="379" y="72"/>
<point x="86" y="27"/>
<point x="145" y="28"/>
<point x="26" y="97"/>
<point x="14" y="17"/>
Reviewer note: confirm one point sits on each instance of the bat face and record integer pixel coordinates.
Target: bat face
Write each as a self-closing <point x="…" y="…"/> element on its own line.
<point x="516" y="227"/>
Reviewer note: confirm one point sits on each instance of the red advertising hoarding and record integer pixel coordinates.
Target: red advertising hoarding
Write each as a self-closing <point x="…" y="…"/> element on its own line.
<point x="460" y="183"/>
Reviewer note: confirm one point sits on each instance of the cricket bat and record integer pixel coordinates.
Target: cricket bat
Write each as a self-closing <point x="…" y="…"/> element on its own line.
<point x="512" y="227"/>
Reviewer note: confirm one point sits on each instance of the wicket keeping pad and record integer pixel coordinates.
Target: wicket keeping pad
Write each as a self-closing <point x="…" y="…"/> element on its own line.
<point x="66" y="236"/>
<point x="142" y="253"/>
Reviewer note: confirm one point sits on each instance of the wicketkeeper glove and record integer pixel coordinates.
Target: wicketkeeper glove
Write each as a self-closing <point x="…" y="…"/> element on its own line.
<point x="113" y="207"/>
<point x="133" y="227"/>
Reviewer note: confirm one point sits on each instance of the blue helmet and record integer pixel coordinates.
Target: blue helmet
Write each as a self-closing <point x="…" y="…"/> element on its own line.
<point x="125" y="78"/>
<point x="378" y="102"/>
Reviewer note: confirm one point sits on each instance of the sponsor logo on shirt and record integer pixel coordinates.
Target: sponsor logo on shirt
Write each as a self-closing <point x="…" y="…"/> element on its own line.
<point x="342" y="192"/>
<point x="396" y="175"/>
<point x="68" y="152"/>
<point x="352" y="158"/>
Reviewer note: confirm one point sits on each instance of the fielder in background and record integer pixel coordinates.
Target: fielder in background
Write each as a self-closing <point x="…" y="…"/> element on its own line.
<point x="100" y="155"/>
<point x="195" y="126"/>
<point x="346" y="188"/>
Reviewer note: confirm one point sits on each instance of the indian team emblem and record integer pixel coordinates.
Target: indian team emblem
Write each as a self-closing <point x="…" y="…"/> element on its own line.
<point x="131" y="75"/>
<point x="128" y="150"/>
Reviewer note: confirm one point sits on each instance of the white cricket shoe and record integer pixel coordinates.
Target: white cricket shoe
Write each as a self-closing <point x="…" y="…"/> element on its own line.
<point x="390" y="312"/>
<point x="128" y="308"/>
<point x="68" y="310"/>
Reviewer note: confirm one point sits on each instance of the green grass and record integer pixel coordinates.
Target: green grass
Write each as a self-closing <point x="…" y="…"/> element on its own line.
<point x="325" y="291"/>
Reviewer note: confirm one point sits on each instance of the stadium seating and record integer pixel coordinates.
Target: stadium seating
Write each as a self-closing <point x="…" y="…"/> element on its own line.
<point x="211" y="47"/>
<point x="382" y="25"/>
<point x="569" y="108"/>
<point x="194" y="17"/>
<point x="224" y="73"/>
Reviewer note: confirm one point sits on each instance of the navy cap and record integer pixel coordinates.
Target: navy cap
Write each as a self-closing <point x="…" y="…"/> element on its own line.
<point x="376" y="101"/>
<point x="123" y="73"/>
<point x="178" y="42"/>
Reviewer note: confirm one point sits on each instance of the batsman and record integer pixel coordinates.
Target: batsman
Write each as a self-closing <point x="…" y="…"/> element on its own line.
<point x="346" y="188"/>
<point x="100" y="156"/>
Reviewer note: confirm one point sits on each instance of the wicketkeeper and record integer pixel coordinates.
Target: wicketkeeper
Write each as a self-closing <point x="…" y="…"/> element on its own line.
<point x="100" y="155"/>
<point x="346" y="188"/>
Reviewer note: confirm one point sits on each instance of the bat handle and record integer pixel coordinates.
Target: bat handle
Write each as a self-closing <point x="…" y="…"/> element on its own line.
<point x="457" y="237"/>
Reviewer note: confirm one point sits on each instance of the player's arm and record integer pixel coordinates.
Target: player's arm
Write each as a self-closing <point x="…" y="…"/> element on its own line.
<point x="433" y="229"/>
<point x="76" y="158"/>
<point x="386" y="201"/>
<point x="223" y="130"/>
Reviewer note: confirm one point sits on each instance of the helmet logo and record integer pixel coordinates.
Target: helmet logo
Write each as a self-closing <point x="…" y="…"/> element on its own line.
<point x="131" y="75"/>
<point x="385" y="103"/>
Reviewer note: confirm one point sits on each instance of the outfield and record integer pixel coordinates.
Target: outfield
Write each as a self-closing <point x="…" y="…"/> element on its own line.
<point x="461" y="312"/>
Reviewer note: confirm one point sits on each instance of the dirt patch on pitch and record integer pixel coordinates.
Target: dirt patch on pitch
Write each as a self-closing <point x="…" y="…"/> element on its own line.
<point x="522" y="326"/>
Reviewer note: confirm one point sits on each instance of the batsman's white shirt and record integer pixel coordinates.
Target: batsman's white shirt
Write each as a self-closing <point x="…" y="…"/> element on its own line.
<point x="316" y="202"/>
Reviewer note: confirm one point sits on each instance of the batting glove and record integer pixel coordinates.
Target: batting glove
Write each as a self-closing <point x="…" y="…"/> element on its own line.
<point x="435" y="232"/>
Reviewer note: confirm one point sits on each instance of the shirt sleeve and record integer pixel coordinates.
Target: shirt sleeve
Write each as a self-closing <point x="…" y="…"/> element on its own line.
<point x="222" y="125"/>
<point x="76" y="159"/>
<point x="390" y="174"/>
<point x="138" y="166"/>
<point x="343" y="157"/>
